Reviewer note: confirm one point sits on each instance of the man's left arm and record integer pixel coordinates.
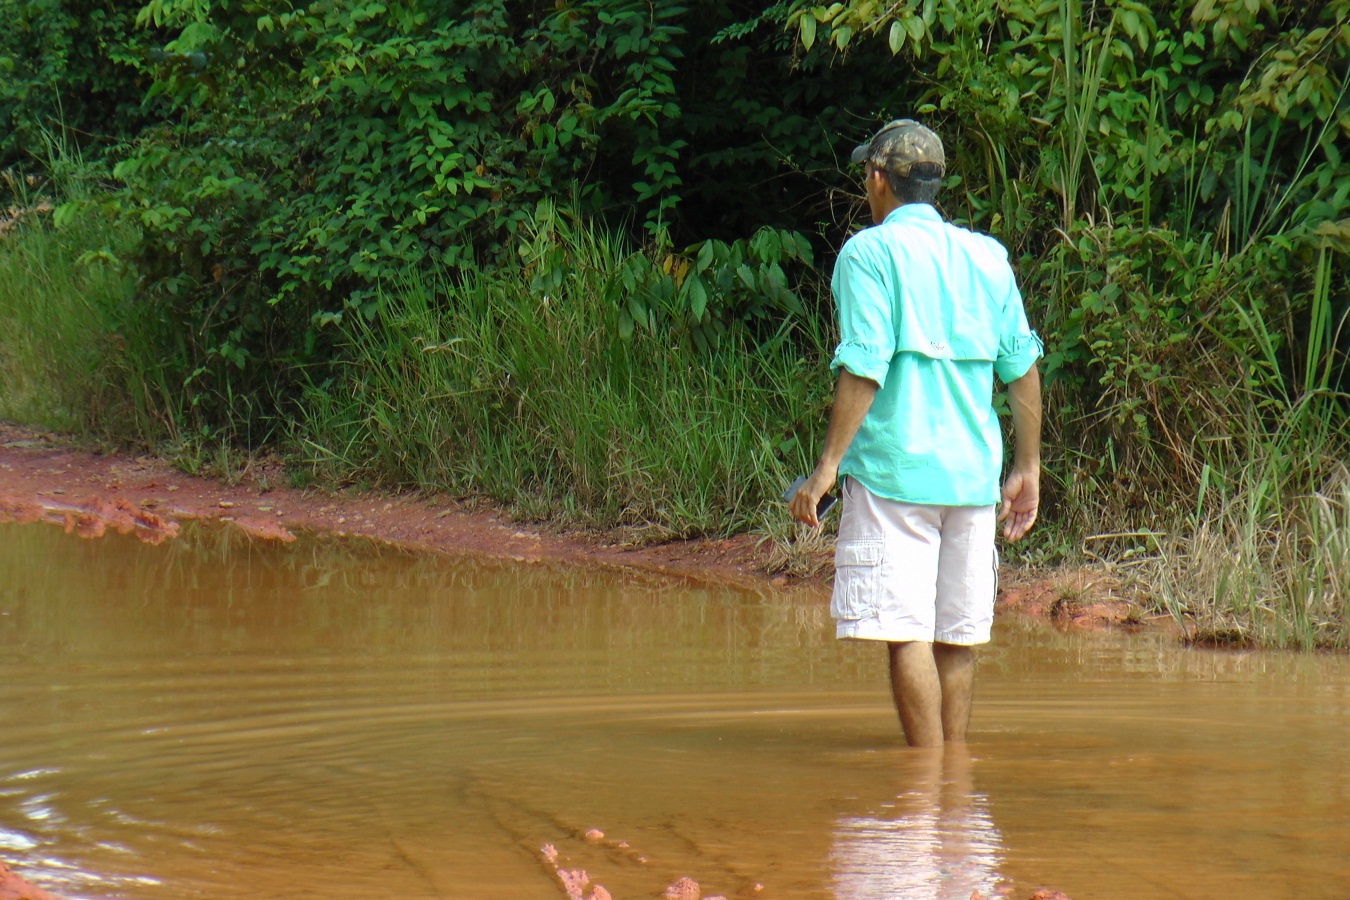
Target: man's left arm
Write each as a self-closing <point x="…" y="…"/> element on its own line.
<point x="1022" y="488"/>
<point x="863" y="357"/>
<point x="852" y="399"/>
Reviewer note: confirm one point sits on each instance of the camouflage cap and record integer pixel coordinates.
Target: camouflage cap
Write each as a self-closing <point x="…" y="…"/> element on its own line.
<point x="901" y="144"/>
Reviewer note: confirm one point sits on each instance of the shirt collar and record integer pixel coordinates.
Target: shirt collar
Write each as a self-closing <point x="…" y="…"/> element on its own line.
<point x="912" y="212"/>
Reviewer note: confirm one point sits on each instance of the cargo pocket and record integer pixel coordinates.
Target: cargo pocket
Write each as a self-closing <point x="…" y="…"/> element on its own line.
<point x="857" y="579"/>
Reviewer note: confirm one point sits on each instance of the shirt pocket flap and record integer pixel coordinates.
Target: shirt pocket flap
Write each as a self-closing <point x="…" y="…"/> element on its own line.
<point x="935" y="345"/>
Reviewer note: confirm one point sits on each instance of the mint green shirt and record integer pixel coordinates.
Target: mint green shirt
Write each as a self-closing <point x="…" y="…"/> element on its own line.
<point x="931" y="313"/>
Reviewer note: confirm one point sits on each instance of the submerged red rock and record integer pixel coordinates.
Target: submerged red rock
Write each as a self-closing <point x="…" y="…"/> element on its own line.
<point x="684" y="889"/>
<point x="12" y="887"/>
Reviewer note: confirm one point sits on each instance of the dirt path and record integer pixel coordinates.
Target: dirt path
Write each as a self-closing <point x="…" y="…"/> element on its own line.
<point x="45" y="478"/>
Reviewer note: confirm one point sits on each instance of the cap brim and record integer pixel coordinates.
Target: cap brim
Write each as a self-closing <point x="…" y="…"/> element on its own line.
<point x="861" y="151"/>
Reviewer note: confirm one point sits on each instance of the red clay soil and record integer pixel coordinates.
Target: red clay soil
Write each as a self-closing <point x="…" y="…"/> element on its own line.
<point x="45" y="478"/>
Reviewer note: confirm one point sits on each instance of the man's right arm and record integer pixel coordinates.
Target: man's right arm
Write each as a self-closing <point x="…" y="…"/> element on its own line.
<point x="852" y="399"/>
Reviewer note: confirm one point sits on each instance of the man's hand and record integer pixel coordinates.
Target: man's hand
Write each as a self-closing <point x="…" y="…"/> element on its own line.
<point x="1021" y="498"/>
<point x="803" y="503"/>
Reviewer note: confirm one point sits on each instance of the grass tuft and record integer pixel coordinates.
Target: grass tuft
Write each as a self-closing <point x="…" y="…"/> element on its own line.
<point x="487" y="385"/>
<point x="76" y="353"/>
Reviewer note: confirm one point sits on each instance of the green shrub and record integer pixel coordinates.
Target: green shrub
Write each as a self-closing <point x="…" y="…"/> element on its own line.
<point x="69" y="69"/>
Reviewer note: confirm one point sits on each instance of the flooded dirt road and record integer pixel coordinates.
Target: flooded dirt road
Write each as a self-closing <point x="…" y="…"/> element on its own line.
<point x="219" y="716"/>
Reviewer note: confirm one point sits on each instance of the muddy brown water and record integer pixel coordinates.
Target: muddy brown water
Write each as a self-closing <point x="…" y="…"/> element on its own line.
<point x="218" y="717"/>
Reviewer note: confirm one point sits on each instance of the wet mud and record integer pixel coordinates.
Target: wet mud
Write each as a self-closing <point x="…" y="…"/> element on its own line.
<point x="1084" y="599"/>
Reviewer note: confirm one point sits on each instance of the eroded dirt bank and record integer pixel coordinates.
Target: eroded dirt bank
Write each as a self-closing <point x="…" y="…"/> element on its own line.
<point x="44" y="478"/>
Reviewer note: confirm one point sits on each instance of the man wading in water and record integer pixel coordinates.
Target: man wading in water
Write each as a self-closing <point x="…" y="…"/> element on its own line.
<point x="928" y="314"/>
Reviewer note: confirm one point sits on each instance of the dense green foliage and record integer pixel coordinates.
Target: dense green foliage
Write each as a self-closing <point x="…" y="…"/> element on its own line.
<point x="346" y="216"/>
<point x="294" y="161"/>
<point x="70" y="73"/>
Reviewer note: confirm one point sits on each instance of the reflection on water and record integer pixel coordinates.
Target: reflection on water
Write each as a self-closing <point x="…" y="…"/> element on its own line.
<point x="937" y="839"/>
<point x="217" y="716"/>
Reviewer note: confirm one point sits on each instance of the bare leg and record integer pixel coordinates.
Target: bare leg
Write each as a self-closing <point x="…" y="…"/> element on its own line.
<point x="917" y="688"/>
<point x="956" y="674"/>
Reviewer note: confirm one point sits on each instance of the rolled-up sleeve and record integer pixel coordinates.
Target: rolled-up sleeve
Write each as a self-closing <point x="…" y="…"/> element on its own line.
<point x="866" y="313"/>
<point x="1019" y="347"/>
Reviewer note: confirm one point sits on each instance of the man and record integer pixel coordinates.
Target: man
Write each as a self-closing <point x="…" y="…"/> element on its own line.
<point x="928" y="314"/>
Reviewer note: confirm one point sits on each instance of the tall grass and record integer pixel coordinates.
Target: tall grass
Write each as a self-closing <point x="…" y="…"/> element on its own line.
<point x="1265" y="571"/>
<point x="76" y="351"/>
<point x="486" y="385"/>
<point x="1268" y="559"/>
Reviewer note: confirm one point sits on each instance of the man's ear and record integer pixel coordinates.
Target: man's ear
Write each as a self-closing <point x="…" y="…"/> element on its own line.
<point x="883" y="185"/>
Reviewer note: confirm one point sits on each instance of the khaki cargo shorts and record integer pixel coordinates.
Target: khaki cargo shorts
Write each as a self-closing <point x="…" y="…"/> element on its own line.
<point x="913" y="572"/>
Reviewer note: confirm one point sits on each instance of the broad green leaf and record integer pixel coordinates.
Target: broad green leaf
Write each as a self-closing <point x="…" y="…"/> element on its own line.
<point x="747" y="276"/>
<point x="807" y="24"/>
<point x="638" y="311"/>
<point x="705" y="256"/>
<point x="896" y="37"/>
<point x="698" y="297"/>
